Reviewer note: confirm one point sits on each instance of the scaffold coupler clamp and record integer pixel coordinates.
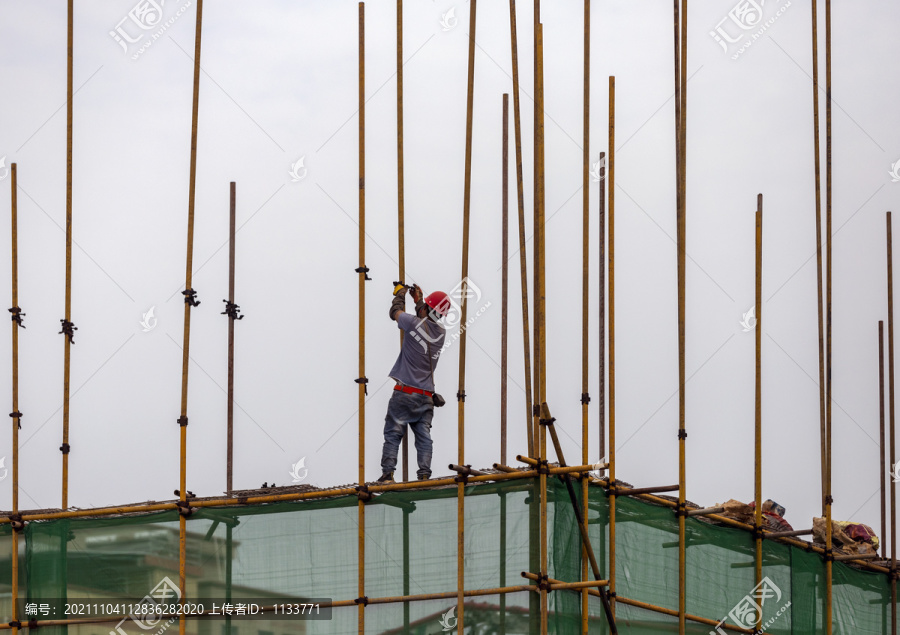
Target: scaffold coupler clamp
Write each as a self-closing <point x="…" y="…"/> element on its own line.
<point x="681" y="510"/>
<point x="543" y="582"/>
<point x="363" y="270"/>
<point x="463" y="477"/>
<point x="232" y="310"/>
<point x="829" y="500"/>
<point x="182" y="421"/>
<point x="17" y="624"/>
<point x="461" y="395"/>
<point x="547" y="422"/>
<point x="190" y="297"/>
<point x="16" y="522"/>
<point x="364" y="600"/>
<point x="585" y="398"/>
<point x="64" y="448"/>
<point x="363" y="493"/>
<point x="682" y="434"/>
<point x="535" y="410"/>
<point x="184" y="508"/>
<point x="828" y="555"/>
<point x="757" y="532"/>
<point x="364" y="381"/>
<point x="17" y="316"/>
<point x="543" y="467"/>
<point x="17" y="416"/>
<point x="69" y="329"/>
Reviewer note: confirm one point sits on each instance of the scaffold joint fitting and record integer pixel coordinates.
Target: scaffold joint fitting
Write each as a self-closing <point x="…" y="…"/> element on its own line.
<point x="182" y="420"/>
<point x="17" y="316"/>
<point x="69" y="329"/>
<point x="543" y="467"/>
<point x="232" y="310"/>
<point x="829" y="500"/>
<point x="828" y="555"/>
<point x="364" y="600"/>
<point x="585" y="398"/>
<point x="16" y="522"/>
<point x="15" y="624"/>
<point x="363" y="493"/>
<point x="364" y="382"/>
<point x="461" y="395"/>
<point x="535" y="410"/>
<point x="364" y="270"/>
<point x="64" y="448"/>
<point x="680" y="510"/>
<point x="184" y="508"/>
<point x="190" y="297"/>
<point x="547" y="422"/>
<point x="17" y="415"/>
<point x="682" y="434"/>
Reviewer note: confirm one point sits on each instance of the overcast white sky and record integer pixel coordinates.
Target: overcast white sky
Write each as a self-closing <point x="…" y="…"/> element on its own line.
<point x="279" y="84"/>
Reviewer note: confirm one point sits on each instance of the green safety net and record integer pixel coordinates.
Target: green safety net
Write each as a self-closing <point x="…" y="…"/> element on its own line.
<point x="309" y="549"/>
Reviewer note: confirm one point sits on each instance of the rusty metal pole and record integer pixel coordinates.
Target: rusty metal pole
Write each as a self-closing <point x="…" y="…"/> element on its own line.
<point x="680" y="125"/>
<point x="520" y="193"/>
<point x="541" y="317"/>
<point x="404" y="449"/>
<point x="16" y="415"/>
<point x="504" y="285"/>
<point x="362" y="272"/>
<point x="231" y="312"/>
<point x="585" y="289"/>
<point x="819" y="285"/>
<point x="67" y="327"/>
<point x="757" y="486"/>
<point x="189" y="302"/>
<point x="601" y="290"/>
<point x="612" y="341"/>
<point x="828" y="324"/>
<point x="882" y="467"/>
<point x="892" y="439"/>
<point x="461" y="394"/>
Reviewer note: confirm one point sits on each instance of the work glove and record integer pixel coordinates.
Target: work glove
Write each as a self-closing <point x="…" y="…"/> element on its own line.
<point x="417" y="294"/>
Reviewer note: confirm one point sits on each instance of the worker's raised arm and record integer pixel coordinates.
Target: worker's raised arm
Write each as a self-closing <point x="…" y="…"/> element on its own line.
<point x="398" y="304"/>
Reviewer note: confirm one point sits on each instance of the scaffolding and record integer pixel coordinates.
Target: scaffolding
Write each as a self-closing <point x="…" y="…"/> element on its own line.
<point x="552" y="518"/>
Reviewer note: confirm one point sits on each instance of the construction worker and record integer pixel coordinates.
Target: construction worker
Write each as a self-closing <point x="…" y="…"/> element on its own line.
<point x="413" y="400"/>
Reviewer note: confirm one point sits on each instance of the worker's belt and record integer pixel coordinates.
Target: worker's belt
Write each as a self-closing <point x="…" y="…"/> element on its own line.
<point x="410" y="389"/>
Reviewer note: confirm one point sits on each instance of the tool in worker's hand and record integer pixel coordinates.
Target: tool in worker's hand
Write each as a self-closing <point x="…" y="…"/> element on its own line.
<point x="400" y="287"/>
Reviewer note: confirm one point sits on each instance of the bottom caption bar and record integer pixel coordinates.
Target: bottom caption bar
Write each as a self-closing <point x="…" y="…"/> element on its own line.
<point x="147" y="611"/>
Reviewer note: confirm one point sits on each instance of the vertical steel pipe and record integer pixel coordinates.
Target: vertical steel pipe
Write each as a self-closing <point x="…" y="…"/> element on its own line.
<point x="362" y="271"/>
<point x="819" y="285"/>
<point x="882" y="467"/>
<point x="504" y="292"/>
<point x="67" y="340"/>
<point x="828" y="323"/>
<point x="680" y="108"/>
<point x="601" y="291"/>
<point x="585" y="289"/>
<point x="611" y="224"/>
<point x="541" y="317"/>
<point x="14" y="591"/>
<point x="461" y="394"/>
<point x="520" y="194"/>
<point x="757" y="485"/>
<point x="892" y="439"/>
<point x="401" y="240"/>
<point x="231" y="318"/>
<point x="188" y="299"/>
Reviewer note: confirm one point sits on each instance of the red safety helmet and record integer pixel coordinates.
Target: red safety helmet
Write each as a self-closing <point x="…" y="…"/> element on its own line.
<point x="438" y="302"/>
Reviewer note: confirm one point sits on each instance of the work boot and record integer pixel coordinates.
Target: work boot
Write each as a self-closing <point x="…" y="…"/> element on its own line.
<point x="425" y="476"/>
<point x="387" y="477"/>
